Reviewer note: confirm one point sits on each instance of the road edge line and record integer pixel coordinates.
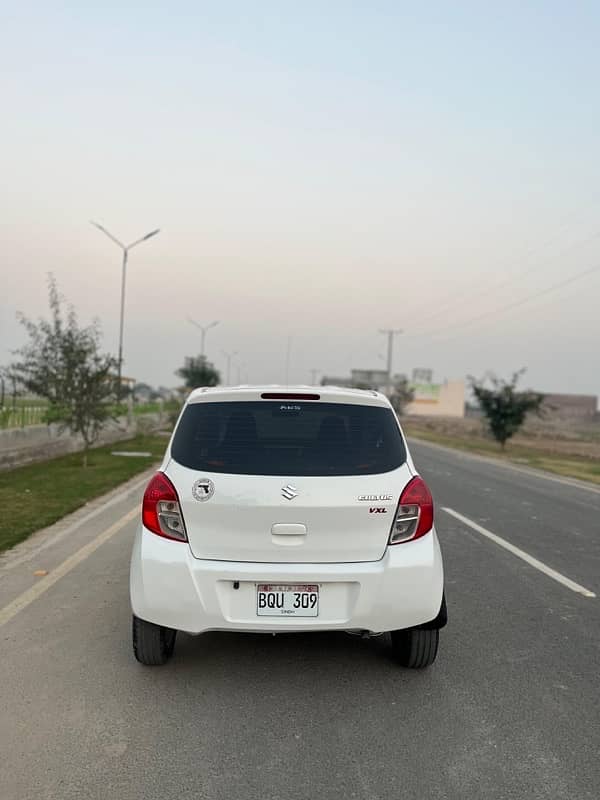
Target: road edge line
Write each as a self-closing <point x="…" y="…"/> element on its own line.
<point x="574" y="483"/>
<point x="516" y="551"/>
<point x="113" y="497"/>
<point x="38" y="589"/>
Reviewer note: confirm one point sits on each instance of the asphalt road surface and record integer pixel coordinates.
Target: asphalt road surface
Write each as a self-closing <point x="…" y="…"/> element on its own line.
<point x="511" y="709"/>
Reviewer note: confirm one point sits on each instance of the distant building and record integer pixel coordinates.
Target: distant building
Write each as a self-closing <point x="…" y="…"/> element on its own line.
<point x="329" y="380"/>
<point x="420" y="375"/>
<point x="360" y="379"/>
<point x="369" y="378"/>
<point x="445" y="399"/>
<point x="571" y="406"/>
<point x="438" y="399"/>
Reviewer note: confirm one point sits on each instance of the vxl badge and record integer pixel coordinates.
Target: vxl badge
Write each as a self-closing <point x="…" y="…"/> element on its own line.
<point x="203" y="489"/>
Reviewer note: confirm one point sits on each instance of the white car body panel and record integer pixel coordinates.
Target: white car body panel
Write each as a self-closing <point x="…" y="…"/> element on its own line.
<point x="172" y="588"/>
<point x="248" y="533"/>
<point x="243" y="520"/>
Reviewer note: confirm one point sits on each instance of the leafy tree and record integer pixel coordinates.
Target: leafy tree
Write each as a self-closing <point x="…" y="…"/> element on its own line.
<point x="198" y="371"/>
<point x="401" y="395"/>
<point x="504" y="407"/>
<point x="63" y="363"/>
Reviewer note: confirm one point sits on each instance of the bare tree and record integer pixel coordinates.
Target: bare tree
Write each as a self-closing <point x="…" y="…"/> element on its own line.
<point x="62" y="362"/>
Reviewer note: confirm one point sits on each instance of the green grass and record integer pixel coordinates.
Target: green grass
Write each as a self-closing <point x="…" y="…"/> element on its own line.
<point x="35" y="496"/>
<point x="569" y="466"/>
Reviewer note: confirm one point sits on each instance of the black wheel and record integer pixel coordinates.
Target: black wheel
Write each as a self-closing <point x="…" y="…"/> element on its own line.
<point x="415" y="648"/>
<point x="152" y="644"/>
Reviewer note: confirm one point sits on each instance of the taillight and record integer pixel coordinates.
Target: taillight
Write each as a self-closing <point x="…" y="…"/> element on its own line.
<point x="414" y="516"/>
<point x="161" y="513"/>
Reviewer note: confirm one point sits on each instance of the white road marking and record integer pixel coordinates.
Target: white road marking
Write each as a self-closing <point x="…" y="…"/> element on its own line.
<point x="28" y="555"/>
<point x="498" y="462"/>
<point x="516" y="551"/>
<point x="38" y="589"/>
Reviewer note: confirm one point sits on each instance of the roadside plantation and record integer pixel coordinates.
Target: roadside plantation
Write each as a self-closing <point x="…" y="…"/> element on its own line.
<point x="39" y="494"/>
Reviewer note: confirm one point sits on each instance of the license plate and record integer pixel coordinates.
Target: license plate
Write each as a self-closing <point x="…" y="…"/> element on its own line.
<point x="287" y="600"/>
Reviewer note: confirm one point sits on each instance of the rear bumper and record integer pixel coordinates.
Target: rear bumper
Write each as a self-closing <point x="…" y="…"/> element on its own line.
<point x="170" y="587"/>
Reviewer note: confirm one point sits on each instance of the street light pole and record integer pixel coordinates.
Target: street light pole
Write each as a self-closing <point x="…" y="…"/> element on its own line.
<point x="390" y="333"/>
<point x="229" y="356"/>
<point x="239" y="373"/>
<point x="288" y="353"/>
<point x="125" y="249"/>
<point x="203" y="329"/>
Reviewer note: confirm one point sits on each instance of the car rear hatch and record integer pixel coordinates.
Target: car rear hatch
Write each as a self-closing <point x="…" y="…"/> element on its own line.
<point x="283" y="482"/>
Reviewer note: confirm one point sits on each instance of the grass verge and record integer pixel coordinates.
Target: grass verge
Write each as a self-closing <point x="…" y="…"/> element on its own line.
<point x="585" y="469"/>
<point x="37" y="495"/>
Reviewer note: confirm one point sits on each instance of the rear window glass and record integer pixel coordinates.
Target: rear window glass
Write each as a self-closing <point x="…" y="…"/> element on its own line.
<point x="288" y="438"/>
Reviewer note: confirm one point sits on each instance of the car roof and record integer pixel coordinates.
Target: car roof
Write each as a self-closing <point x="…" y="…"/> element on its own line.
<point x="329" y="394"/>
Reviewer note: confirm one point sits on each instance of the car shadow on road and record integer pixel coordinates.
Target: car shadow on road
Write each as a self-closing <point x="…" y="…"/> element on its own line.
<point x="266" y="658"/>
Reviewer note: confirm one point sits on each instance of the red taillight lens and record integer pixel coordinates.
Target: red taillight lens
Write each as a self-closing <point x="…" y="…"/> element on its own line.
<point x="161" y="513"/>
<point x="414" y="516"/>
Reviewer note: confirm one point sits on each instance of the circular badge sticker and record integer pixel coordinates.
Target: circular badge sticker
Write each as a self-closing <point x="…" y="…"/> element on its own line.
<point x="203" y="489"/>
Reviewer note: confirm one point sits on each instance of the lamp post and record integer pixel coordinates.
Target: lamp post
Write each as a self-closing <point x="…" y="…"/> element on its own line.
<point x="240" y="366"/>
<point x="229" y="356"/>
<point x="203" y="329"/>
<point x="125" y="249"/>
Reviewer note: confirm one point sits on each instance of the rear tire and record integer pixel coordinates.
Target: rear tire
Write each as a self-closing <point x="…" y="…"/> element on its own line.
<point x="415" y="648"/>
<point x="153" y="645"/>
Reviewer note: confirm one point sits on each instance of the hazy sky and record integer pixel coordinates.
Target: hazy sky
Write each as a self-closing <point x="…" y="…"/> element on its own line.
<point x="318" y="170"/>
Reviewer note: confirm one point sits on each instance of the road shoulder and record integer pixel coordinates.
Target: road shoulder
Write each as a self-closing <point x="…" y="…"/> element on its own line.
<point x="509" y="465"/>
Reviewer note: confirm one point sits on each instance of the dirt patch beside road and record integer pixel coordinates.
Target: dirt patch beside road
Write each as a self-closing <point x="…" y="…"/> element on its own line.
<point x="556" y="447"/>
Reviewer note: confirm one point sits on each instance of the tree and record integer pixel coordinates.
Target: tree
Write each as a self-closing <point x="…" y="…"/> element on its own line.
<point x="504" y="407"/>
<point x="198" y="371"/>
<point x="62" y="362"/>
<point x="401" y="395"/>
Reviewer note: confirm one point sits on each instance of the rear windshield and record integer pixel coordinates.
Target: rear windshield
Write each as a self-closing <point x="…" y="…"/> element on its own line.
<point x="288" y="438"/>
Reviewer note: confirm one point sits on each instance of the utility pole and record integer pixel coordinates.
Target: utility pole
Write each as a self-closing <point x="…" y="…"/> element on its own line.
<point x="313" y="376"/>
<point x="125" y="248"/>
<point x="390" y="333"/>
<point x="203" y="329"/>
<point x="229" y="356"/>
<point x="287" y="360"/>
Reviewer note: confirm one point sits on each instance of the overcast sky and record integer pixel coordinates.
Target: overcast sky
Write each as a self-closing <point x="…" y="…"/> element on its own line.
<point x="318" y="170"/>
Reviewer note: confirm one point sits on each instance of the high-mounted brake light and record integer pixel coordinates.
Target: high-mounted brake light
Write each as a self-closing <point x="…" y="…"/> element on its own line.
<point x="289" y="396"/>
<point x="161" y="512"/>
<point x="414" y="516"/>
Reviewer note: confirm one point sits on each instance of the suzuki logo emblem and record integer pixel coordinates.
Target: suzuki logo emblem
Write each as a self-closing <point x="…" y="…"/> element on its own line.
<point x="289" y="492"/>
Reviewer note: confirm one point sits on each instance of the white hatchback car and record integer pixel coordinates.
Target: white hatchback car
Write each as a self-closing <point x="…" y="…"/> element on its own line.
<point x="287" y="509"/>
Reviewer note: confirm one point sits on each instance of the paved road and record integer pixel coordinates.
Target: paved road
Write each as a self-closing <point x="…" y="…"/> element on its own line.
<point x="511" y="709"/>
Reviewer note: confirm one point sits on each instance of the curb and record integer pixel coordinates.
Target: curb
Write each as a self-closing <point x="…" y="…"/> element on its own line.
<point x="39" y="540"/>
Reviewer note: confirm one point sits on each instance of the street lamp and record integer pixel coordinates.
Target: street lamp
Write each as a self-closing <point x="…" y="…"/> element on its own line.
<point x="203" y="328"/>
<point x="240" y="366"/>
<point x="125" y="249"/>
<point x="229" y="356"/>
